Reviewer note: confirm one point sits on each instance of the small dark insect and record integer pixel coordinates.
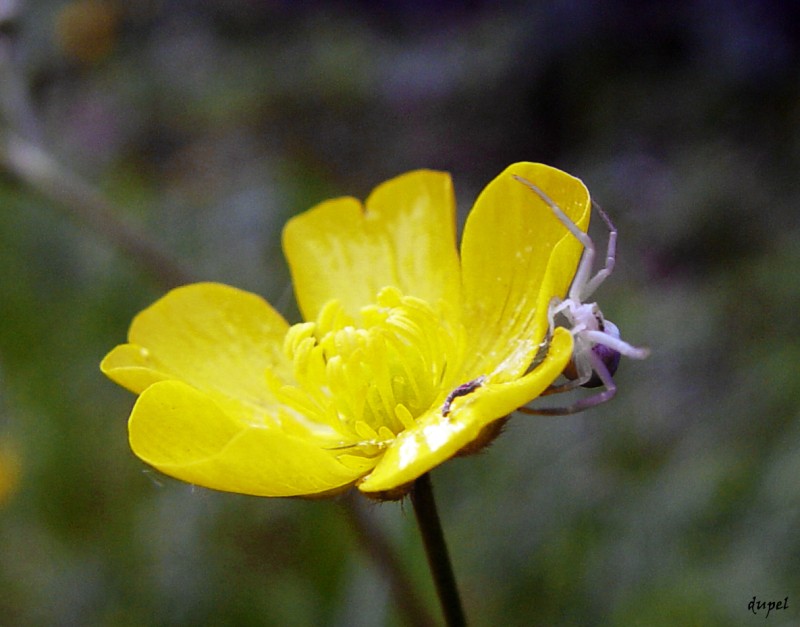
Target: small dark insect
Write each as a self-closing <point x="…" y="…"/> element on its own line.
<point x="461" y="390"/>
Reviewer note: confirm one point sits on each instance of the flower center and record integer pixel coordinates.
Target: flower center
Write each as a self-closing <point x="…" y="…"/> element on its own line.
<point x="361" y="383"/>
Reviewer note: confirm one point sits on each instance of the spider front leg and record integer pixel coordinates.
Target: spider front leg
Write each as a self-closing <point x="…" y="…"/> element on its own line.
<point x="582" y="286"/>
<point x="611" y="256"/>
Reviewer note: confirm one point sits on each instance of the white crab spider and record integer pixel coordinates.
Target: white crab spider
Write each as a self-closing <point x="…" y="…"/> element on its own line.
<point x="598" y="345"/>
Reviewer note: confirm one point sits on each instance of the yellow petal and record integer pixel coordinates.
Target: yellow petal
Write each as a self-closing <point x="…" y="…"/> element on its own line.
<point x="515" y="257"/>
<point x="436" y="438"/>
<point x="405" y="238"/>
<point x="132" y="367"/>
<point x="185" y="434"/>
<point x="217" y="338"/>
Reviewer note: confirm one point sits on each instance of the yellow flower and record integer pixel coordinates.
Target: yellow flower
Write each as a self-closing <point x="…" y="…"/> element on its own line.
<point x="232" y="397"/>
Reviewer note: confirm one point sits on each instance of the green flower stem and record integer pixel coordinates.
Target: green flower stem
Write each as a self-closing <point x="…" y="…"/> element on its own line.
<point x="436" y="549"/>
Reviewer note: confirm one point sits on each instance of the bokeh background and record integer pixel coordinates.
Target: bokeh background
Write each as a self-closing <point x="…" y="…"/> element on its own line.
<point x="204" y="125"/>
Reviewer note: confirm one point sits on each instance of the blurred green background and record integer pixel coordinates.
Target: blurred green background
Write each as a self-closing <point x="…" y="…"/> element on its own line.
<point x="207" y="124"/>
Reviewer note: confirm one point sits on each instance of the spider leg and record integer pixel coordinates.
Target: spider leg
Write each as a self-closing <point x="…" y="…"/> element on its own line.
<point x="556" y="307"/>
<point x="607" y="394"/>
<point x="587" y="259"/>
<point x="611" y="256"/>
<point x="568" y="386"/>
<point x="619" y="345"/>
<point x="582" y="371"/>
<point x="580" y="367"/>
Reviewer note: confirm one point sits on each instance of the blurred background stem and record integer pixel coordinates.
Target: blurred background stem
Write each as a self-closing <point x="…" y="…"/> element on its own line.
<point x="387" y="561"/>
<point x="35" y="167"/>
<point x="23" y="154"/>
